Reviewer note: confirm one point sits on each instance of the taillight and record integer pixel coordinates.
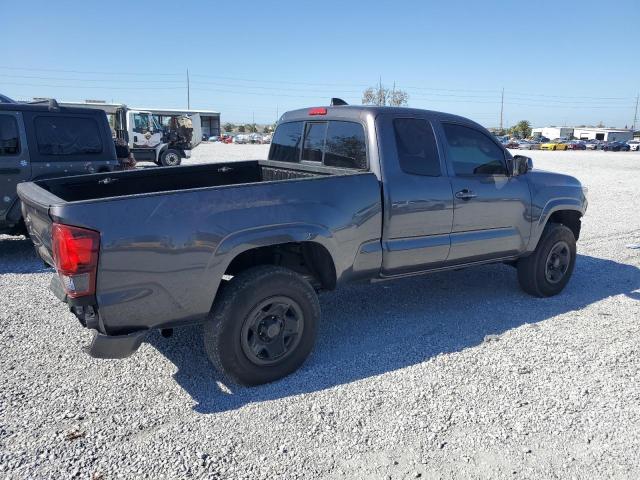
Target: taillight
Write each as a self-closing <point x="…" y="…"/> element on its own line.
<point x="318" y="111"/>
<point x="75" y="253"/>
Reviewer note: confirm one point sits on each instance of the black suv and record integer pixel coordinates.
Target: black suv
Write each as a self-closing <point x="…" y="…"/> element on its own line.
<point x="43" y="141"/>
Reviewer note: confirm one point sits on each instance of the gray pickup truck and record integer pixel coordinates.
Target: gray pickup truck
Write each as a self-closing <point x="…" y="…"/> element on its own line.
<point x="45" y="140"/>
<point x="348" y="193"/>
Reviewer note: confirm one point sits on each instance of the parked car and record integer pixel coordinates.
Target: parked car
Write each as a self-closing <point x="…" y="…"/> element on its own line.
<point x="45" y="140"/>
<point x="241" y="139"/>
<point x="576" y="145"/>
<point x="243" y="247"/>
<point x="616" y="147"/>
<point x="255" y="138"/>
<point x="557" y="144"/>
<point x="526" y="145"/>
<point x="593" y="145"/>
<point x="634" y="145"/>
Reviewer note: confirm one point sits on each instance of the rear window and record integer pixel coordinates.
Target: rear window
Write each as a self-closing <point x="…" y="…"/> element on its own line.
<point x="9" y="138"/>
<point x="314" y="135"/>
<point x="333" y="143"/>
<point x="416" y="146"/>
<point x="285" y="145"/>
<point x="64" y="135"/>
<point x="345" y="146"/>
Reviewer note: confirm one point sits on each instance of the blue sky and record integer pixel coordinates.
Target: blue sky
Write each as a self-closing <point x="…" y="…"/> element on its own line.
<point x="569" y="62"/>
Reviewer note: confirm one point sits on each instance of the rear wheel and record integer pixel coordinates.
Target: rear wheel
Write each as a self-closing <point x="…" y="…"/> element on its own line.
<point x="547" y="270"/>
<point x="263" y="326"/>
<point x="170" y="158"/>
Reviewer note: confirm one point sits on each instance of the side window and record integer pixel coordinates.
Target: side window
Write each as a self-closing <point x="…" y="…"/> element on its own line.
<point x="285" y="145"/>
<point x="345" y="146"/>
<point x="60" y="135"/>
<point x="416" y="146"/>
<point x="471" y="152"/>
<point x="313" y="146"/>
<point x="9" y="138"/>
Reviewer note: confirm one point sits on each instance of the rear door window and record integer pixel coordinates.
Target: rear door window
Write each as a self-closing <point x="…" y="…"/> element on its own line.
<point x="9" y="138"/>
<point x="345" y="146"/>
<point x="314" y="136"/>
<point x="416" y="146"/>
<point x="285" y="145"/>
<point x="66" y="135"/>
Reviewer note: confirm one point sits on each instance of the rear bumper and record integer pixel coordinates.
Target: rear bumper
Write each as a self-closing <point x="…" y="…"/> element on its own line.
<point x="115" y="346"/>
<point x="101" y="346"/>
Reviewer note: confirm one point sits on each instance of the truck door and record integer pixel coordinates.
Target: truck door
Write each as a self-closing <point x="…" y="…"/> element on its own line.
<point x="418" y="200"/>
<point x="144" y="131"/>
<point x="14" y="165"/>
<point x="490" y="218"/>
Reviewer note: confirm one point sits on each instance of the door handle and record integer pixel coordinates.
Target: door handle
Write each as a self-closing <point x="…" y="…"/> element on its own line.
<point x="465" y="194"/>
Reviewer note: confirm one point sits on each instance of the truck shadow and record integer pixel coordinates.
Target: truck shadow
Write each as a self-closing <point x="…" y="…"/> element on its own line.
<point x="17" y="255"/>
<point x="368" y="330"/>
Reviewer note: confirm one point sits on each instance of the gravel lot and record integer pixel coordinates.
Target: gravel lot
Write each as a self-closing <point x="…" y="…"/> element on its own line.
<point x="455" y="375"/>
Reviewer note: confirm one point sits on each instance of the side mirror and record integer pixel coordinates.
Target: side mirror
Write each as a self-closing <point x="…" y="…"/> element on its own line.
<point x="520" y="165"/>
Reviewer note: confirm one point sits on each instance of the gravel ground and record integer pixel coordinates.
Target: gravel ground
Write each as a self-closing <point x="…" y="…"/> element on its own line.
<point x="453" y="375"/>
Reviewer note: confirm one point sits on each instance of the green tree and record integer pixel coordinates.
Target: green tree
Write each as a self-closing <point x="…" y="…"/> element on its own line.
<point x="229" y="127"/>
<point x="241" y="128"/>
<point x="522" y="129"/>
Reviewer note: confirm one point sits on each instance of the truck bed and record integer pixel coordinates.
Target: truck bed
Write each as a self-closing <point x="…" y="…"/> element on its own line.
<point x="156" y="180"/>
<point x="167" y="235"/>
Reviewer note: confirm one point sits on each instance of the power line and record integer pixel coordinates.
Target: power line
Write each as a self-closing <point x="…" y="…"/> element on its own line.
<point x="287" y="82"/>
<point x="67" y="79"/>
<point x="86" y="71"/>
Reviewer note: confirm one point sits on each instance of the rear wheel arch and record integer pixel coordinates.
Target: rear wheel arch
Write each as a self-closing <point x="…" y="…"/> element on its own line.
<point x="310" y="259"/>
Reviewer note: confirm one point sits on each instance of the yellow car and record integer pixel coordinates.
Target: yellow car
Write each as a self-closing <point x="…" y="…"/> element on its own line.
<point x="556" y="144"/>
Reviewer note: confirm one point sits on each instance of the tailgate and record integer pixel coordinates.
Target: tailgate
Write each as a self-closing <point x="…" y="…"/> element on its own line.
<point x="36" y="202"/>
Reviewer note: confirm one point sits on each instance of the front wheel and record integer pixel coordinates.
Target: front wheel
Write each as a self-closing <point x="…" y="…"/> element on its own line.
<point x="170" y="158"/>
<point x="263" y="326"/>
<point x="547" y="270"/>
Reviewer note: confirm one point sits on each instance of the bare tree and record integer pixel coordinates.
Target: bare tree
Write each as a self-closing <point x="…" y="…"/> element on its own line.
<point x="382" y="95"/>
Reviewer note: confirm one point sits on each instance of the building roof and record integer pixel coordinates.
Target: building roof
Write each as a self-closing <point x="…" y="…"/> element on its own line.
<point x="596" y="129"/>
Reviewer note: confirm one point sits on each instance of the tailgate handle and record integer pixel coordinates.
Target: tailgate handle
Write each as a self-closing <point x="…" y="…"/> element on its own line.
<point x="225" y="169"/>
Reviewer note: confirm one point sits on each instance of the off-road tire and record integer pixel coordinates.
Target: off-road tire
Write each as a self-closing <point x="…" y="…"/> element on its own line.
<point x="223" y="331"/>
<point x="170" y="158"/>
<point x="532" y="269"/>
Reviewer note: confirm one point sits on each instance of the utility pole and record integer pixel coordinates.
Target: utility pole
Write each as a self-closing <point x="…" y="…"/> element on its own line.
<point x="501" y="107"/>
<point x="188" y="91"/>
<point x="635" y="115"/>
